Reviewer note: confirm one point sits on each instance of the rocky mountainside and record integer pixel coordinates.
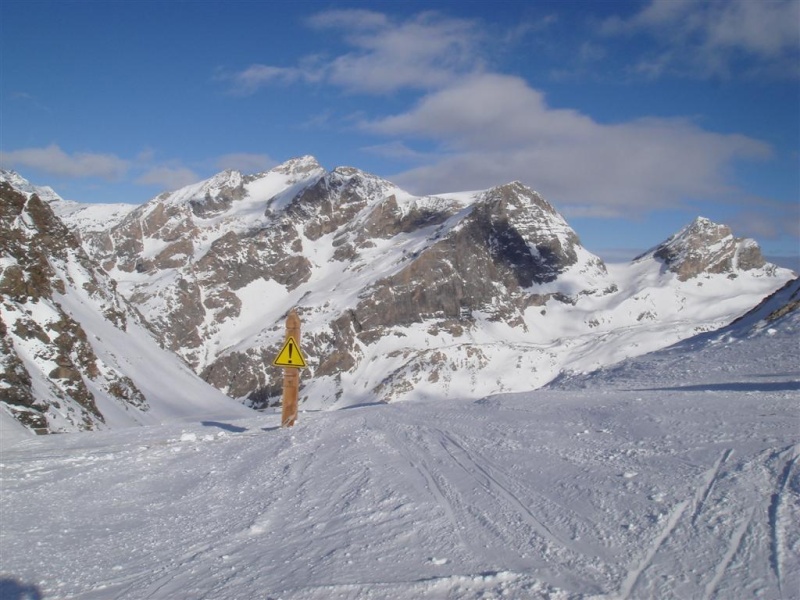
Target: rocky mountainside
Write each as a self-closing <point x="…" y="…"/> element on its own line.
<point x="455" y="295"/>
<point x="215" y="266"/>
<point x="74" y="354"/>
<point x="707" y="247"/>
<point x="81" y="217"/>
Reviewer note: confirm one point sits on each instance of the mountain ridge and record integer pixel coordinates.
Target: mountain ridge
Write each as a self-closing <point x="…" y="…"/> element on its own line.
<point x="402" y="296"/>
<point x="75" y="355"/>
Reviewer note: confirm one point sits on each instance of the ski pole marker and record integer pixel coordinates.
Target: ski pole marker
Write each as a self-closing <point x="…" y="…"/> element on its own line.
<point x="291" y="359"/>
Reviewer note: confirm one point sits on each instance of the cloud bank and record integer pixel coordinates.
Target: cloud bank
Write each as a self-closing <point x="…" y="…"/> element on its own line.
<point x="471" y="128"/>
<point x="718" y="38"/>
<point x="168" y="178"/>
<point x="53" y="160"/>
<point x="495" y="128"/>
<point x="143" y="170"/>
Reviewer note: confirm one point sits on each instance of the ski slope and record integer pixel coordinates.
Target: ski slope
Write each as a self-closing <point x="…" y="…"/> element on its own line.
<point x="672" y="476"/>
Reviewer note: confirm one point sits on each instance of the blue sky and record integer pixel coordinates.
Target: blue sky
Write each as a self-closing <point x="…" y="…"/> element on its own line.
<point x="632" y="118"/>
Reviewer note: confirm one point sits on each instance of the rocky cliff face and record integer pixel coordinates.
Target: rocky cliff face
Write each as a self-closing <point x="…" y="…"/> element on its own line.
<point x="193" y="260"/>
<point x="183" y="256"/>
<point x="457" y="295"/>
<point x="74" y="355"/>
<point x="707" y="247"/>
<point x="48" y="364"/>
<point x="508" y="242"/>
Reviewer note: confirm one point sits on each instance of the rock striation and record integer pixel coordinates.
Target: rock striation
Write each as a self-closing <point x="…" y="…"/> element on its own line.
<point x="42" y="345"/>
<point x="74" y="354"/>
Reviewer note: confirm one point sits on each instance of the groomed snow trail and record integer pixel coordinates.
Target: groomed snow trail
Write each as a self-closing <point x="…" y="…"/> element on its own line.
<point x="552" y="495"/>
<point x="632" y="485"/>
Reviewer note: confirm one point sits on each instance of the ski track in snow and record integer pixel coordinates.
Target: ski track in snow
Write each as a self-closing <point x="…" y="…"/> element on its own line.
<point x="635" y="486"/>
<point x="777" y="501"/>
<point x="741" y="527"/>
<point x="710" y="479"/>
<point x="733" y="548"/>
<point x="633" y="576"/>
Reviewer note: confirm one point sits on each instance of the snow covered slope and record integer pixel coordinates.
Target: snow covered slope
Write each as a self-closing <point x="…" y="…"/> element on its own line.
<point x="81" y="217"/>
<point x="753" y="342"/>
<point x="75" y="355"/>
<point x="23" y="186"/>
<point x="674" y="477"/>
<point x="402" y="297"/>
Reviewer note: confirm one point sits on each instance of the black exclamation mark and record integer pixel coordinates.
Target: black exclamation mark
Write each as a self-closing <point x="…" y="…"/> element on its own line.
<point x="291" y="345"/>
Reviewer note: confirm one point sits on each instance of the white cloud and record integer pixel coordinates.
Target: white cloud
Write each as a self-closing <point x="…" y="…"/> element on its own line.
<point x="424" y="52"/>
<point x="54" y="161"/>
<point x="655" y="14"/>
<point x="351" y="19"/>
<point x="493" y="129"/>
<point x="146" y="156"/>
<point x="766" y="219"/>
<point x="767" y="29"/>
<point x="716" y="37"/>
<point x="246" y="163"/>
<point x="31" y="100"/>
<point x="257" y="76"/>
<point x="488" y="128"/>
<point x="399" y="151"/>
<point x="169" y="178"/>
<point x="485" y="110"/>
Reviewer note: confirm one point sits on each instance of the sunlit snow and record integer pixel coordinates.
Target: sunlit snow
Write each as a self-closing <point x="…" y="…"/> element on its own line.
<point x="673" y="475"/>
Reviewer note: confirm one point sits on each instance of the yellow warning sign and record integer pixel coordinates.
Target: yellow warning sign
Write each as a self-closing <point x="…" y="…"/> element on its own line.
<point x="290" y="355"/>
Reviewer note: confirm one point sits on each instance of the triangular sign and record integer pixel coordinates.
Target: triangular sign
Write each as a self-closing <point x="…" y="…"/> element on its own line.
<point x="290" y="355"/>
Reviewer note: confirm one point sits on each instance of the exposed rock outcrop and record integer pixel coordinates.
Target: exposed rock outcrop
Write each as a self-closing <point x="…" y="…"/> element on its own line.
<point x="399" y="294"/>
<point x="707" y="247"/>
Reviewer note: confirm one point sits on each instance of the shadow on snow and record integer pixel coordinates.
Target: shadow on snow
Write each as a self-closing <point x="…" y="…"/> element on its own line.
<point x="743" y="386"/>
<point x="11" y="589"/>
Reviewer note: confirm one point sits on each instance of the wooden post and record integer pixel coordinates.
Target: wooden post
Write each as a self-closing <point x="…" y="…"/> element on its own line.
<point x="291" y="375"/>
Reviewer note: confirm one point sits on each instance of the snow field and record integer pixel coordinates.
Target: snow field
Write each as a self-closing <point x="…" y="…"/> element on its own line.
<point x="654" y="480"/>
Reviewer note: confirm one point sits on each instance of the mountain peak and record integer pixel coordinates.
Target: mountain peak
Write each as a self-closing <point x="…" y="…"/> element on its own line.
<point x="521" y="196"/>
<point x="705" y="227"/>
<point x="704" y="246"/>
<point x="22" y="185"/>
<point x="230" y="178"/>
<point x="218" y="191"/>
<point x="299" y="166"/>
<point x="702" y="221"/>
<point x="397" y="292"/>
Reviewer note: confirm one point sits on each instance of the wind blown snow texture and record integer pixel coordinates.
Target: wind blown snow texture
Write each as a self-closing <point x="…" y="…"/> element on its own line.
<point x="673" y="475"/>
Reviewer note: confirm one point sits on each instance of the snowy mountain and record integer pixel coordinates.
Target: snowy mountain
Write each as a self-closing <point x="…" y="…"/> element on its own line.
<point x="23" y="186"/>
<point x="671" y="474"/>
<point x="676" y="476"/>
<point x="454" y="295"/>
<point x="75" y="355"/>
<point x="81" y="217"/>
<point x="782" y="305"/>
<point x="773" y="326"/>
<point x="707" y="247"/>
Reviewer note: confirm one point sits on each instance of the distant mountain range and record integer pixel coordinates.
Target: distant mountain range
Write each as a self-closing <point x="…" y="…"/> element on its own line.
<point x="401" y="297"/>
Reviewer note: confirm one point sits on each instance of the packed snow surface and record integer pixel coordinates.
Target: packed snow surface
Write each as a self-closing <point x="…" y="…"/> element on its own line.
<point x="673" y="475"/>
